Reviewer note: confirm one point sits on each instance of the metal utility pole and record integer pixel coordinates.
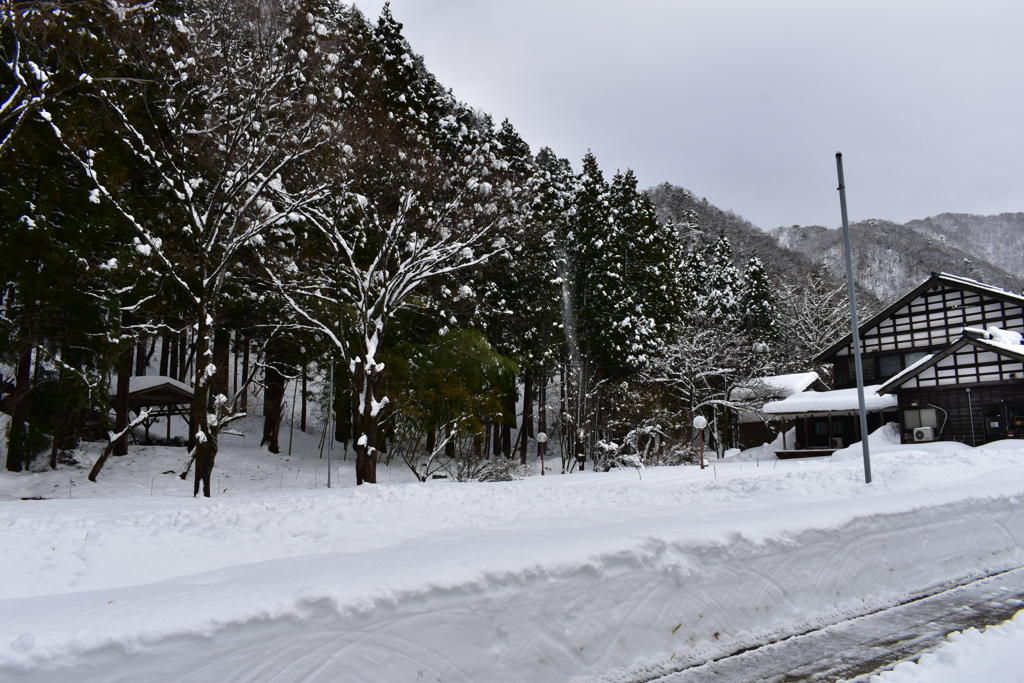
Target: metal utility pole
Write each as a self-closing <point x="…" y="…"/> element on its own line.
<point x="853" y="323"/>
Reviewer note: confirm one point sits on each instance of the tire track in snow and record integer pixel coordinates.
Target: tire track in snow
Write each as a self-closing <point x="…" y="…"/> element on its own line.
<point x="856" y="649"/>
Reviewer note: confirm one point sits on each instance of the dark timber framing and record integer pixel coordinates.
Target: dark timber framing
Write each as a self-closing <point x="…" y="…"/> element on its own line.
<point x="959" y="384"/>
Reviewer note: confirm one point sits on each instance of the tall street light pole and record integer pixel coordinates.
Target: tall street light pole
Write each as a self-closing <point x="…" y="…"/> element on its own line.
<point x="853" y="322"/>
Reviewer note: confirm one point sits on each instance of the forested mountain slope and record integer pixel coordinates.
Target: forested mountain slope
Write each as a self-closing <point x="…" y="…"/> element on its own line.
<point x="889" y="258"/>
<point x="996" y="239"/>
<point x="697" y="219"/>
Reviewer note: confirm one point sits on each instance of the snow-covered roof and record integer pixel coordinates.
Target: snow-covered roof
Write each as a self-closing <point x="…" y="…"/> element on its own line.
<point x="776" y="386"/>
<point x="1013" y="350"/>
<point x="150" y="381"/>
<point x="151" y="390"/>
<point x="997" y="336"/>
<point x="837" y="401"/>
<point x="978" y="285"/>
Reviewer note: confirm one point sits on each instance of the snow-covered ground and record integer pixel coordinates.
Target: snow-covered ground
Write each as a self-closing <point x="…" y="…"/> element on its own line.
<point x="611" y="576"/>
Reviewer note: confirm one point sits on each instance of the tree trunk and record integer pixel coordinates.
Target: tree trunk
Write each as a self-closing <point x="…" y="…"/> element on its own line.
<point x="172" y="360"/>
<point x="245" y="376"/>
<point x="19" y="401"/>
<point x="36" y="365"/>
<point x="355" y="410"/>
<point x="124" y="376"/>
<point x="568" y="428"/>
<point x="342" y="410"/>
<point x="528" y="402"/>
<point x="140" y="356"/>
<point x="506" y="440"/>
<point x="65" y="433"/>
<point x="367" y="380"/>
<point x="183" y="356"/>
<point x="542" y="409"/>
<point x="273" y="396"/>
<point x="165" y="351"/>
<point x="305" y="389"/>
<point x="205" y="441"/>
<point x="221" y="361"/>
<point x="527" y="429"/>
<point x="496" y="441"/>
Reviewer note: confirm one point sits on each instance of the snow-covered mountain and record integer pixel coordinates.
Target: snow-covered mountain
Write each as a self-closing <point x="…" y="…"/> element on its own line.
<point x="996" y="239"/>
<point x="889" y="258"/>
<point x="698" y="219"/>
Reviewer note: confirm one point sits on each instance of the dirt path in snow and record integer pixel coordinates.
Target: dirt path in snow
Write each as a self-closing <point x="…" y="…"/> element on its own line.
<point x="853" y="650"/>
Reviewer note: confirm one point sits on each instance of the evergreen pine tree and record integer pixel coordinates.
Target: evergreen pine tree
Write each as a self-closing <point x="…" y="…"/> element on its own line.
<point x="757" y="303"/>
<point x="596" y="276"/>
<point x="691" y="283"/>
<point x="720" y="304"/>
<point x="647" y="305"/>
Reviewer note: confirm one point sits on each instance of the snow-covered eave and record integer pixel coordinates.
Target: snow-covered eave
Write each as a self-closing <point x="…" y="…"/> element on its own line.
<point x="1015" y="351"/>
<point x="979" y="286"/>
<point x="844" y="401"/>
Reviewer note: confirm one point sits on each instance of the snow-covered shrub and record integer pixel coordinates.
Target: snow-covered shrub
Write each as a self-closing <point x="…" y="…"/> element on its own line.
<point x="501" y="469"/>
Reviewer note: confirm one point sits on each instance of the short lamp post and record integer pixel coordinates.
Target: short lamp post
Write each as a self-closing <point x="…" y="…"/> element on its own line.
<point x="699" y="423"/>
<point x="542" y="444"/>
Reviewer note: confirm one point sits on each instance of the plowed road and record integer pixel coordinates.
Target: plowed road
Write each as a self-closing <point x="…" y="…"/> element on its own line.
<point x="853" y="650"/>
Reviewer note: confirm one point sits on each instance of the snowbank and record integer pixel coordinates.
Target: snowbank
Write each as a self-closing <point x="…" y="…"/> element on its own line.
<point x="765" y="451"/>
<point x="546" y="579"/>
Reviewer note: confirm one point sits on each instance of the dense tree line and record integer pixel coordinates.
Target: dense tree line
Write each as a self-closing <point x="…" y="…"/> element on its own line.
<point x="284" y="183"/>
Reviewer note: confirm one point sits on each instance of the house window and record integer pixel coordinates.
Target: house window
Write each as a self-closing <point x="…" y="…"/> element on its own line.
<point x="894" y="364"/>
<point x="911" y="358"/>
<point x="919" y="417"/>
<point x="889" y="366"/>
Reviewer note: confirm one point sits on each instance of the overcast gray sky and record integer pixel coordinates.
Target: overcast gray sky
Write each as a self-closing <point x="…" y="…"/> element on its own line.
<point x="745" y="102"/>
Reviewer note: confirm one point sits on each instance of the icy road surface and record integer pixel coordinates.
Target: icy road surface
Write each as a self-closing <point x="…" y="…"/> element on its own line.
<point x="857" y="648"/>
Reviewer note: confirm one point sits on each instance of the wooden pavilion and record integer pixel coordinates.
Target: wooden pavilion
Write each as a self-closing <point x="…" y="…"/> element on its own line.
<point x="165" y="397"/>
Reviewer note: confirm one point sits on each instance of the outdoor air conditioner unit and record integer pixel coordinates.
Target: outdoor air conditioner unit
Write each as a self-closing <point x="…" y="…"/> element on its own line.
<point x="924" y="434"/>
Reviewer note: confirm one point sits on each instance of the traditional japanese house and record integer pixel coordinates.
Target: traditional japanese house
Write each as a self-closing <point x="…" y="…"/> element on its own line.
<point x="950" y="354"/>
<point x="825" y="421"/>
<point x="755" y="427"/>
